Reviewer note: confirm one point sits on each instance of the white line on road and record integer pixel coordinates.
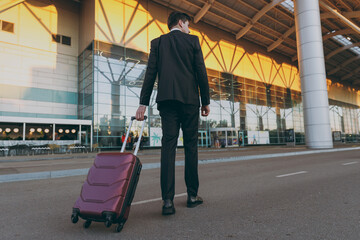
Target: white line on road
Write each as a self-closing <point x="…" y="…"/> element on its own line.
<point x="349" y="163"/>
<point x="156" y="199"/>
<point x="291" y="174"/>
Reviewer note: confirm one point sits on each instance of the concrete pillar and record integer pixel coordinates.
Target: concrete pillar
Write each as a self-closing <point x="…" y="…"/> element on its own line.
<point x="312" y="74"/>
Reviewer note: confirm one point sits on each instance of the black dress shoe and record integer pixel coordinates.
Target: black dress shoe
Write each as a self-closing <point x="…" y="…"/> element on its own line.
<point x="168" y="207"/>
<point x="193" y="201"/>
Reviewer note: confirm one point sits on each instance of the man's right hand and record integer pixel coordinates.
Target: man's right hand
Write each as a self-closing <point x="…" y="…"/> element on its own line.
<point x="205" y="110"/>
<point x="140" y="113"/>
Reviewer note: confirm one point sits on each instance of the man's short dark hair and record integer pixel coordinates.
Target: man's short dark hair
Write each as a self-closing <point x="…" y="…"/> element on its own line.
<point x="174" y="18"/>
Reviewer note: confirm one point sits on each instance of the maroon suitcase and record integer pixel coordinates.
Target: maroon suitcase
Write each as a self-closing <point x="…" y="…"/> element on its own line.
<point x="109" y="189"/>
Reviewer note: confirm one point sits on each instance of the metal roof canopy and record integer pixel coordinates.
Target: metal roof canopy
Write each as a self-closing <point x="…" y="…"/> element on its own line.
<point x="270" y="24"/>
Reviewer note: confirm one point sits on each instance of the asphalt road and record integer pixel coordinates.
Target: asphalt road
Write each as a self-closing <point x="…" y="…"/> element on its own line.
<point x="303" y="197"/>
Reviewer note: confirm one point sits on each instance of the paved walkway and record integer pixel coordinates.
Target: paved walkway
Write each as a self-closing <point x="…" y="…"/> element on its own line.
<point x="300" y="194"/>
<point x="21" y="168"/>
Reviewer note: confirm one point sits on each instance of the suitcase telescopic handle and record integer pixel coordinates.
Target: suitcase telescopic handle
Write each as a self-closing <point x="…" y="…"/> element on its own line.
<point x="128" y="133"/>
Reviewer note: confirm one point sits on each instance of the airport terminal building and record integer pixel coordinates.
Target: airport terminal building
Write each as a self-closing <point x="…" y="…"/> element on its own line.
<point x="71" y="71"/>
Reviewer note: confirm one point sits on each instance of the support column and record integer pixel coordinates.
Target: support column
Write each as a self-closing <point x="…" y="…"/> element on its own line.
<point x="312" y="74"/>
<point x="24" y="131"/>
<point x="54" y="125"/>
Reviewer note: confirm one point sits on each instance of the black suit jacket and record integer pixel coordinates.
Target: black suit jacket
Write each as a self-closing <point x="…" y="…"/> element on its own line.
<point x="178" y="61"/>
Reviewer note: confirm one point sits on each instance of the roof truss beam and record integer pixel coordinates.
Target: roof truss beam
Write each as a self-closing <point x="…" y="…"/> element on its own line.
<point x="292" y="30"/>
<point x="338" y="32"/>
<point x="227" y="10"/>
<point x="203" y="11"/>
<point x="266" y="15"/>
<point x="353" y="14"/>
<point x="347" y="76"/>
<point x="257" y="16"/>
<point x="340" y="16"/>
<point x="345" y="4"/>
<point x="333" y="53"/>
<point x="281" y="39"/>
<point x="335" y="70"/>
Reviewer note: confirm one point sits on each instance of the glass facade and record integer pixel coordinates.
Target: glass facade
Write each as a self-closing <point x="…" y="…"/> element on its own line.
<point x="243" y="111"/>
<point x="345" y="118"/>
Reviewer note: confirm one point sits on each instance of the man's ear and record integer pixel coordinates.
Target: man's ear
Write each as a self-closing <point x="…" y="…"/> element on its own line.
<point x="180" y="23"/>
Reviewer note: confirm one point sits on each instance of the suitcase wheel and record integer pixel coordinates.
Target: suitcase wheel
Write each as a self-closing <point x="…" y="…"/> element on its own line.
<point x="74" y="218"/>
<point x="108" y="220"/>
<point x="108" y="223"/>
<point x="87" y="224"/>
<point x="119" y="227"/>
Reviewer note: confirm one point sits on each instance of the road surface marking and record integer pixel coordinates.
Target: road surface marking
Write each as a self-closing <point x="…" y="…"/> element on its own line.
<point x="349" y="163"/>
<point x="156" y="199"/>
<point x="291" y="174"/>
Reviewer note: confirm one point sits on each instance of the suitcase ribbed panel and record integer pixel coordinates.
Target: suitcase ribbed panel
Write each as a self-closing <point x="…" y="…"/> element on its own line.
<point x="108" y="177"/>
<point x="106" y="185"/>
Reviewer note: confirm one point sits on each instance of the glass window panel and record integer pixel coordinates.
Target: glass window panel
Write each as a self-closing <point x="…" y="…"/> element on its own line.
<point x="249" y="82"/>
<point x="66" y="132"/>
<point x="66" y="40"/>
<point x="132" y="101"/>
<point x="39" y="132"/>
<point x="133" y="92"/>
<point x="7" y="26"/>
<point x="11" y="131"/>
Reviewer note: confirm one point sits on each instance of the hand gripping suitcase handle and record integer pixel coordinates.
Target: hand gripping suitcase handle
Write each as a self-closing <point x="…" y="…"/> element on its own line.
<point x="128" y="133"/>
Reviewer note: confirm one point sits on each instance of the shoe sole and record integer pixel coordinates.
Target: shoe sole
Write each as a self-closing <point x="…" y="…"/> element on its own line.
<point x="192" y="205"/>
<point x="169" y="211"/>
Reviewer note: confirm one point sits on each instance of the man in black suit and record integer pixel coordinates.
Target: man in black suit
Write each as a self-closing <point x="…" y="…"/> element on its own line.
<point x="178" y="61"/>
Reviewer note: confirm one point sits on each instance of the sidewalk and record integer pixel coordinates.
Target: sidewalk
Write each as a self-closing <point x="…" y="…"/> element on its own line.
<point x="21" y="168"/>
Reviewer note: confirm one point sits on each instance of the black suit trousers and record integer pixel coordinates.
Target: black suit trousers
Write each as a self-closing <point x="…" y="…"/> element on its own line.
<point x="174" y="115"/>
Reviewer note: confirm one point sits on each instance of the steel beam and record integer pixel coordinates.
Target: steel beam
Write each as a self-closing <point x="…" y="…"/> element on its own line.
<point x="257" y="16"/>
<point x="340" y="16"/>
<point x="333" y="53"/>
<point x="344" y="64"/>
<point x="347" y="76"/>
<point x="203" y="11"/>
<point x="335" y="33"/>
<point x="353" y="14"/>
<point x="12" y="4"/>
<point x="292" y="30"/>
<point x="281" y="39"/>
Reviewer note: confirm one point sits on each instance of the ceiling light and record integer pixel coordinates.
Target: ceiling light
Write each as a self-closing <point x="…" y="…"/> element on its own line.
<point x="73" y="131"/>
<point x="7" y="130"/>
<point x="32" y="130"/>
<point x="46" y="130"/>
<point x="39" y="130"/>
<point x="16" y="130"/>
<point x="67" y="131"/>
<point x="61" y="130"/>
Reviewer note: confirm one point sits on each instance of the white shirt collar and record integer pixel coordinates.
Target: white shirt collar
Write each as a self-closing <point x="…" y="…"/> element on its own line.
<point x="174" y="29"/>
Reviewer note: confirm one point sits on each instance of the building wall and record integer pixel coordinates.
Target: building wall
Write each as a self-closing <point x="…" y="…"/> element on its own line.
<point x="87" y="24"/>
<point x="133" y="24"/>
<point x="39" y="76"/>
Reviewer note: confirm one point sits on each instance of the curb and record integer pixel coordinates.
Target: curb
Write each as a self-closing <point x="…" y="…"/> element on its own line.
<point x="84" y="171"/>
